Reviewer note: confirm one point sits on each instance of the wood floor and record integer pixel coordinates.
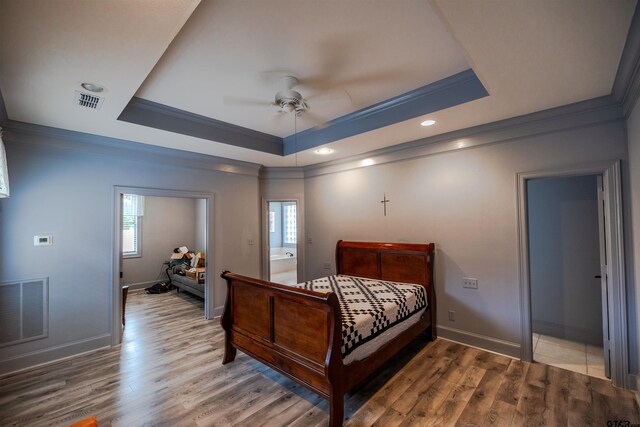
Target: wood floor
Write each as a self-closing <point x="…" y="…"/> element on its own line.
<point x="168" y="372"/>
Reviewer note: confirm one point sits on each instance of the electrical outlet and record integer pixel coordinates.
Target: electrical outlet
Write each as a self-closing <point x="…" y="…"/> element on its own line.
<point x="469" y="282"/>
<point x="250" y="242"/>
<point x="452" y="316"/>
<point x="309" y="240"/>
<point x="326" y="266"/>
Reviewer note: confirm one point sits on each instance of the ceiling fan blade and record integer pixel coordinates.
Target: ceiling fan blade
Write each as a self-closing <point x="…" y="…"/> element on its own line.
<point x="276" y="77"/>
<point x="374" y="78"/>
<point x="314" y="119"/>
<point x="243" y="102"/>
<point x="338" y="95"/>
<point x="327" y="83"/>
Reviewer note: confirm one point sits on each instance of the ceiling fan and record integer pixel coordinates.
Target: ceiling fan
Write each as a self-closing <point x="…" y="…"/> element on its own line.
<point x="288" y="100"/>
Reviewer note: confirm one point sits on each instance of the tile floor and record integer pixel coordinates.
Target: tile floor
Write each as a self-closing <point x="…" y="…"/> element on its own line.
<point x="570" y="355"/>
<point x="286" y="277"/>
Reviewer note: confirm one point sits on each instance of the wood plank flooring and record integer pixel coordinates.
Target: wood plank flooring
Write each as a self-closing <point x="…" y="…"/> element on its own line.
<point x="168" y="372"/>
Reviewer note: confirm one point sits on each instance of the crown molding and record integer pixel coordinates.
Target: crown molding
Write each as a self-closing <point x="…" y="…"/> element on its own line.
<point x="454" y="90"/>
<point x="27" y="133"/>
<point x="159" y="116"/>
<point x="626" y="87"/>
<point x="281" y="173"/>
<point x="451" y="91"/>
<point x="572" y="116"/>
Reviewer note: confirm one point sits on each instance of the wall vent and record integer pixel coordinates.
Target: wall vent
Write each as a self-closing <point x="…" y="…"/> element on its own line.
<point x="88" y="101"/>
<point x="24" y="311"/>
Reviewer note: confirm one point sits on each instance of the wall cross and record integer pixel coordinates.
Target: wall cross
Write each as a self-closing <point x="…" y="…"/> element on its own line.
<point x="384" y="201"/>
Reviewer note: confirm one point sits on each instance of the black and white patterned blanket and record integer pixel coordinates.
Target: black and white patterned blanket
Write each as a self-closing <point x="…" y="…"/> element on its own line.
<point x="369" y="307"/>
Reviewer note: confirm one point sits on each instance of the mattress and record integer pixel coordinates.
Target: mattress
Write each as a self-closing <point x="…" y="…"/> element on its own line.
<point x="373" y="311"/>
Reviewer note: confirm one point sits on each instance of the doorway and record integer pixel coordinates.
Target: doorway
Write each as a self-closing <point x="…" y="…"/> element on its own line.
<point x="282" y="241"/>
<point x="612" y="280"/>
<point x="127" y="239"/>
<point x="566" y="285"/>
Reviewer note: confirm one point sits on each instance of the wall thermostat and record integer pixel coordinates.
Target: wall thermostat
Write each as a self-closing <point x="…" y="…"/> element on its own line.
<point x="44" y="240"/>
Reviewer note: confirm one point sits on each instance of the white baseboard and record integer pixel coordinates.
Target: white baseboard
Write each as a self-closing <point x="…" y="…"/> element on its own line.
<point x="141" y="285"/>
<point x="508" y="348"/>
<point x="52" y="354"/>
<point x="217" y="312"/>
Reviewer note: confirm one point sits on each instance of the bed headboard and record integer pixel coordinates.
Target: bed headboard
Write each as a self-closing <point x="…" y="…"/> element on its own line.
<point x="395" y="262"/>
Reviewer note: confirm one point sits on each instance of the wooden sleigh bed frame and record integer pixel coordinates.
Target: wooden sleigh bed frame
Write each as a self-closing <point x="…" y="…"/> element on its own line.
<point x="299" y="332"/>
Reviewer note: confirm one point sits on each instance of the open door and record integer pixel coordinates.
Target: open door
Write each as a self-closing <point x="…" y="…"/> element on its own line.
<point x="611" y="280"/>
<point x="282" y="241"/>
<point x="120" y="257"/>
<point x="606" y="334"/>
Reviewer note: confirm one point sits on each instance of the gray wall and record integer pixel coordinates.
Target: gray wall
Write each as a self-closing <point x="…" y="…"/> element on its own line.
<point x="465" y="202"/>
<point x="168" y="222"/>
<point x="70" y="194"/>
<point x="633" y="243"/>
<point x="564" y="257"/>
<point x="200" y="243"/>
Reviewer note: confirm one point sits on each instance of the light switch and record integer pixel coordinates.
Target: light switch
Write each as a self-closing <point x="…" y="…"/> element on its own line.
<point x="44" y="240"/>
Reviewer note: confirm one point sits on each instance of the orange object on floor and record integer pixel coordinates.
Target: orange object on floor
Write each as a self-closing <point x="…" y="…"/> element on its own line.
<point x="87" y="422"/>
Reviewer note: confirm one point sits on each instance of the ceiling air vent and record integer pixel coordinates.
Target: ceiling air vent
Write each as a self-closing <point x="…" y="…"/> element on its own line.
<point x="88" y="101"/>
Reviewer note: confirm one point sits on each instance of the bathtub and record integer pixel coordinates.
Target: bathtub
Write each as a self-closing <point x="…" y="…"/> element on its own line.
<point x="283" y="259"/>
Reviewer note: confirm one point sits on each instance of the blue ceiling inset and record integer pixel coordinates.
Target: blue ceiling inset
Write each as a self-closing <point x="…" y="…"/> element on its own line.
<point x="449" y="92"/>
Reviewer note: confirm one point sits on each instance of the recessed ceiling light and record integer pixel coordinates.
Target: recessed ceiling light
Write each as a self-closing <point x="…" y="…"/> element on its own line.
<point x="92" y="87"/>
<point x="324" y="150"/>
<point x="367" y="162"/>
<point x="428" y="123"/>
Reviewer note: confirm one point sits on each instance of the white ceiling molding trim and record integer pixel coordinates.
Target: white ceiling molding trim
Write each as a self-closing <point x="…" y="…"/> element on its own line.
<point x="281" y="173"/>
<point x="158" y="116"/>
<point x="446" y="93"/>
<point x="581" y="114"/>
<point x="26" y="133"/>
<point x="626" y="87"/>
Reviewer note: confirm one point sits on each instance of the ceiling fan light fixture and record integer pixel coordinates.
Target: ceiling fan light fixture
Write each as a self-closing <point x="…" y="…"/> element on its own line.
<point x="324" y="151"/>
<point x="428" y="123"/>
<point x="92" y="87"/>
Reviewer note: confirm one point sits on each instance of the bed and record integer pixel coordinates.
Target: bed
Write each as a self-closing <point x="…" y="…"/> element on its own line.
<point x="299" y="330"/>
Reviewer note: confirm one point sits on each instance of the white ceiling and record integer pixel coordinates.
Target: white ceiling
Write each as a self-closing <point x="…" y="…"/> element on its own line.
<point x="530" y="55"/>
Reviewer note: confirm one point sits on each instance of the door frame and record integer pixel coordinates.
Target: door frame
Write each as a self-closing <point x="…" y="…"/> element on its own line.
<point x="266" y="264"/>
<point x="614" y="243"/>
<point x="116" y="295"/>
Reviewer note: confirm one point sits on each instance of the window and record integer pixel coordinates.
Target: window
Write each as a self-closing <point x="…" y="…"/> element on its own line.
<point x="272" y="222"/>
<point x="132" y="211"/>
<point x="290" y="226"/>
<point x="4" y="173"/>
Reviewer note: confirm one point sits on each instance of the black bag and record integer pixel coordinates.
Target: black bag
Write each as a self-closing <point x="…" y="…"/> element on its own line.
<point x="158" y="288"/>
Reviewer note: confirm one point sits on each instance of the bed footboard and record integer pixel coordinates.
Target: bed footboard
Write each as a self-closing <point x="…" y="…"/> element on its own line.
<point x="294" y="331"/>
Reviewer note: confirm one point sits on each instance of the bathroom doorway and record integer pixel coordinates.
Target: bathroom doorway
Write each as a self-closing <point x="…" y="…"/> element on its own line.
<point x="282" y="241"/>
<point x="612" y="282"/>
<point x="569" y="318"/>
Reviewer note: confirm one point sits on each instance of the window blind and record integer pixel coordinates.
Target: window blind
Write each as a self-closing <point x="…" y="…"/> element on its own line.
<point x="132" y="210"/>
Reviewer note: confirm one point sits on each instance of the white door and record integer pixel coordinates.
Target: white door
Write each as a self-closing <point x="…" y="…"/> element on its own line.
<point x="604" y="283"/>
